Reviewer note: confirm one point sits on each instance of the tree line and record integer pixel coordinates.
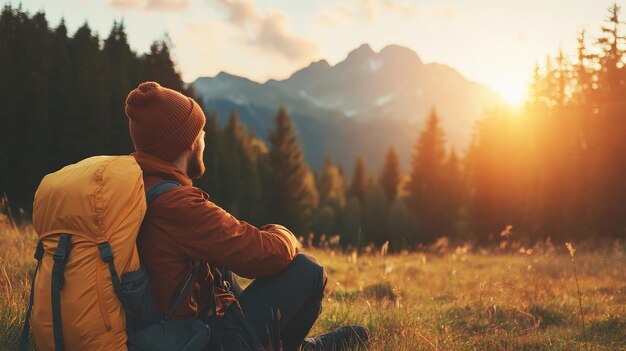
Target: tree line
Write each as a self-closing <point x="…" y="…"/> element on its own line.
<point x="62" y="98"/>
<point x="558" y="167"/>
<point x="552" y="170"/>
<point x="273" y="184"/>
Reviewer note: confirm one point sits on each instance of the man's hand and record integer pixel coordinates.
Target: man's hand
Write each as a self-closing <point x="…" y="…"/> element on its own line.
<point x="277" y="228"/>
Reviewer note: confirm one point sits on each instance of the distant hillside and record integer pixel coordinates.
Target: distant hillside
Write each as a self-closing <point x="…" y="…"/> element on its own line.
<point x="358" y="106"/>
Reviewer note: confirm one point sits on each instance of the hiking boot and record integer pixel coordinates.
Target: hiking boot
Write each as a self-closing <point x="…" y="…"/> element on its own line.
<point x="344" y="338"/>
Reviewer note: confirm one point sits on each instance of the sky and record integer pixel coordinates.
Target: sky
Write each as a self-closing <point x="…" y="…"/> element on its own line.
<point x="495" y="42"/>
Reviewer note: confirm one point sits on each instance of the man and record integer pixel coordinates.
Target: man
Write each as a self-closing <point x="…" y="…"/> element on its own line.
<point x="183" y="226"/>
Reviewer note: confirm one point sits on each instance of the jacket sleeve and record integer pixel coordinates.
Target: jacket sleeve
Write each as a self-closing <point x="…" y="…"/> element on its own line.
<point x="208" y="233"/>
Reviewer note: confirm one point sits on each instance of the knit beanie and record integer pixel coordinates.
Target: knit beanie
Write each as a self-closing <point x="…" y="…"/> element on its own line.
<point x="163" y="122"/>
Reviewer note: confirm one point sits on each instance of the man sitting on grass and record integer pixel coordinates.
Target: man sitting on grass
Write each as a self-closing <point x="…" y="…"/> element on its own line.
<point x="183" y="226"/>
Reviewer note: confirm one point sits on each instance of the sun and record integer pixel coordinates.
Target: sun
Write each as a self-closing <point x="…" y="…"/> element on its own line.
<point x="511" y="93"/>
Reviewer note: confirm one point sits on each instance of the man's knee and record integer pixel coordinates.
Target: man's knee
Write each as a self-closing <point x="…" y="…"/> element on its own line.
<point x="308" y="265"/>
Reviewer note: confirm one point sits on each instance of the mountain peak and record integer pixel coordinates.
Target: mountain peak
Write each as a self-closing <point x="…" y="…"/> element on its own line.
<point x="225" y="75"/>
<point x="363" y="51"/>
<point x="399" y="52"/>
<point x="312" y="70"/>
<point x="319" y="65"/>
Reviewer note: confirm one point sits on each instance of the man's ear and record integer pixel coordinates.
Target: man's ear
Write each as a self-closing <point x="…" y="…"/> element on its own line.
<point x="197" y="142"/>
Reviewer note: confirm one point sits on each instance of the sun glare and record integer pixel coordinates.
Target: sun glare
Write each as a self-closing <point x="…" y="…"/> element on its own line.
<point x="511" y="93"/>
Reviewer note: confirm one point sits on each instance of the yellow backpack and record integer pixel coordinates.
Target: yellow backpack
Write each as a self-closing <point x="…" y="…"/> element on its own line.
<point x="89" y="291"/>
<point x="87" y="217"/>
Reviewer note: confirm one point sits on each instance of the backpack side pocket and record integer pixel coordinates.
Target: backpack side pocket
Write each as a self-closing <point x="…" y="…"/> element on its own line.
<point x="141" y="310"/>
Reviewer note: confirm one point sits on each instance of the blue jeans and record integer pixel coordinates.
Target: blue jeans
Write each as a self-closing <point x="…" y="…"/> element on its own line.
<point x="283" y="306"/>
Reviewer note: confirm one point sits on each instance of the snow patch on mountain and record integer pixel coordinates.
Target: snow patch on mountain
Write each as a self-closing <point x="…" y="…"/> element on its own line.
<point x="335" y="104"/>
<point x="375" y="64"/>
<point x="384" y="99"/>
<point x="349" y="113"/>
<point x="238" y="100"/>
<point x="303" y="94"/>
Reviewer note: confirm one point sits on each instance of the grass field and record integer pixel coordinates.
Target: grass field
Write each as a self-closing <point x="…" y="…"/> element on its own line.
<point x="458" y="300"/>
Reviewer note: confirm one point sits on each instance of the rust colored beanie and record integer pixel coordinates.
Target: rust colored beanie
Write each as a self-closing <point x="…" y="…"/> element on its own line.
<point x="163" y="122"/>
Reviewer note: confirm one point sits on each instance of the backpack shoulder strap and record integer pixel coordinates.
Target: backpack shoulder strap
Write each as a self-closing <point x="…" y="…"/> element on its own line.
<point x="152" y="194"/>
<point x="61" y="255"/>
<point x="159" y="189"/>
<point x="60" y="258"/>
<point x="184" y="290"/>
<point x="26" y="327"/>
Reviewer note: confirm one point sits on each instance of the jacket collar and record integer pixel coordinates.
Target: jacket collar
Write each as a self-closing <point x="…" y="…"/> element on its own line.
<point x="155" y="169"/>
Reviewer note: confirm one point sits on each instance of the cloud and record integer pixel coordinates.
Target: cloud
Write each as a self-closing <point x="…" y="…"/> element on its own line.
<point x="448" y="12"/>
<point x="241" y="12"/>
<point x="207" y="47"/>
<point x="350" y="11"/>
<point x="126" y="4"/>
<point x="244" y="39"/>
<point x="267" y="31"/>
<point x="157" y="5"/>
<point x="337" y="15"/>
<point x="274" y="36"/>
<point x="368" y="9"/>
<point x="166" y="5"/>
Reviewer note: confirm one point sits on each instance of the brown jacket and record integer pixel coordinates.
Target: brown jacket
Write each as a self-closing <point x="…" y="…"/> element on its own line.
<point x="182" y="226"/>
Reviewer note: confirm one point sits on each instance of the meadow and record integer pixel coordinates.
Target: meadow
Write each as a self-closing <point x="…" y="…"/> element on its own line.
<point x="444" y="298"/>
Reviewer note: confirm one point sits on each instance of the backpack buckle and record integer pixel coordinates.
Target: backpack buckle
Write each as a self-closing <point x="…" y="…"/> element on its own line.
<point x="39" y="251"/>
<point x="63" y="249"/>
<point x="105" y="252"/>
<point x="60" y="255"/>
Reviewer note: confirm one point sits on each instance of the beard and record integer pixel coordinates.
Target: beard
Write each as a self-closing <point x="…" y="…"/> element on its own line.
<point x="195" y="166"/>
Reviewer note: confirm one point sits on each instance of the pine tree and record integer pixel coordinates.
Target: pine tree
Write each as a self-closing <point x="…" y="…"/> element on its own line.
<point x="59" y="84"/>
<point x="89" y="121"/>
<point x="358" y="185"/>
<point x="292" y="186"/>
<point x="374" y="218"/>
<point x="453" y="191"/>
<point x="535" y="96"/>
<point x="349" y="223"/>
<point x="390" y="177"/>
<point x="550" y="82"/>
<point x="609" y="131"/>
<point x="157" y="65"/>
<point x="68" y="95"/>
<point x="611" y="77"/>
<point x="562" y="79"/>
<point x="20" y="67"/>
<point x="331" y="188"/>
<point x="584" y="79"/>
<point x="33" y="99"/>
<point x="401" y="224"/>
<point x="124" y="76"/>
<point x="240" y="190"/>
<point x="211" y="181"/>
<point x="426" y="186"/>
<point x="229" y="191"/>
<point x="331" y="185"/>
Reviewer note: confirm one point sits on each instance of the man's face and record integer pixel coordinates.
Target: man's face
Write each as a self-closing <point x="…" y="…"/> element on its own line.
<point x="195" y="166"/>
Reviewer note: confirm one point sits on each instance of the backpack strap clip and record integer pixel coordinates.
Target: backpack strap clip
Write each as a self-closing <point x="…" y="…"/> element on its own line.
<point x="39" y="251"/>
<point x="60" y="256"/>
<point x="105" y="252"/>
<point x="63" y="249"/>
